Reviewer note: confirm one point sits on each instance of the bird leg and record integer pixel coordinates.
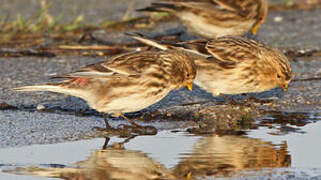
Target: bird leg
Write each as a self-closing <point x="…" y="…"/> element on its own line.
<point x="119" y="145"/>
<point x="107" y="139"/>
<point x="108" y="127"/>
<point x="126" y="129"/>
<point x="137" y="129"/>
<point x="106" y="121"/>
<point x="129" y="120"/>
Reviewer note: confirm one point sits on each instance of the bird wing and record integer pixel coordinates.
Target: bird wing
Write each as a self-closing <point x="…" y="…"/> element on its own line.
<point x="133" y="63"/>
<point x="202" y="6"/>
<point x="233" y="49"/>
<point x="227" y="4"/>
<point x="122" y="65"/>
<point x="178" y="5"/>
<point x="238" y="6"/>
<point x="210" y="5"/>
<point x="226" y="50"/>
<point x="194" y="46"/>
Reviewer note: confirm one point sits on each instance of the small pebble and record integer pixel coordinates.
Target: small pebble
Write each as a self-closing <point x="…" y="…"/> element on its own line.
<point x="41" y="107"/>
<point x="278" y="19"/>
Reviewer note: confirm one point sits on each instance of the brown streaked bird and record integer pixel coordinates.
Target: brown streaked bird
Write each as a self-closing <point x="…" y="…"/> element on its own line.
<point x="216" y="18"/>
<point x="233" y="65"/>
<point x="126" y="83"/>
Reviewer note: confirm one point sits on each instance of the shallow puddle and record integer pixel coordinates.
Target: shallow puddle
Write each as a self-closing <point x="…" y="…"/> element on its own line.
<point x="271" y="151"/>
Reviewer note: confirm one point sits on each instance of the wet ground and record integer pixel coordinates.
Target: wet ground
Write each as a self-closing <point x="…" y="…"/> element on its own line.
<point x="259" y="154"/>
<point x="199" y="136"/>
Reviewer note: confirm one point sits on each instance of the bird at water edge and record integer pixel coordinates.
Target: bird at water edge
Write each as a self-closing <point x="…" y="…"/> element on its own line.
<point x="126" y="83"/>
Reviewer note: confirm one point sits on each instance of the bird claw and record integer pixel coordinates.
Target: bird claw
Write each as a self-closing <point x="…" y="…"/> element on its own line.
<point x="140" y="130"/>
<point x="127" y="130"/>
<point x="108" y="130"/>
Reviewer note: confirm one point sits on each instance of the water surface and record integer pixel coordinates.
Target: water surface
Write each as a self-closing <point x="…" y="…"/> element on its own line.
<point x="287" y="148"/>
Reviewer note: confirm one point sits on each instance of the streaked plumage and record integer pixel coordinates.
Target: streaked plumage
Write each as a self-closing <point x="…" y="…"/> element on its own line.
<point x="216" y="18"/>
<point x="234" y="65"/>
<point x="128" y="82"/>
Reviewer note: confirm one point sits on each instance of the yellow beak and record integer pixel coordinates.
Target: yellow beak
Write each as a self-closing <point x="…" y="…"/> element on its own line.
<point x="284" y="87"/>
<point x="255" y="29"/>
<point x="189" y="86"/>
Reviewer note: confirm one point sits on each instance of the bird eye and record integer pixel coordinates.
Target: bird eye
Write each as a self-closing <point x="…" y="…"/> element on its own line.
<point x="278" y="76"/>
<point x="187" y="75"/>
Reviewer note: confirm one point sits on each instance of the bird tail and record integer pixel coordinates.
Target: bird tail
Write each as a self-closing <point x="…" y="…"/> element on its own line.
<point x="197" y="48"/>
<point x="148" y="41"/>
<point x="160" y="7"/>
<point x="58" y="88"/>
<point x="46" y="87"/>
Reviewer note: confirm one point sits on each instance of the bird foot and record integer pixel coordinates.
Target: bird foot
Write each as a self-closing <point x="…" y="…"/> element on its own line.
<point x="113" y="131"/>
<point x="127" y="130"/>
<point x="139" y="130"/>
<point x="108" y="130"/>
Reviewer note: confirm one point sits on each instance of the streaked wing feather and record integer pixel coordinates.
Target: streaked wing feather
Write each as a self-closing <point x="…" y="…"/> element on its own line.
<point x="93" y="70"/>
<point x="122" y="65"/>
<point x="195" y="46"/>
<point x="238" y="7"/>
<point x="172" y="6"/>
<point x="228" y="5"/>
<point x="233" y="49"/>
<point x="132" y="63"/>
<point x="197" y="6"/>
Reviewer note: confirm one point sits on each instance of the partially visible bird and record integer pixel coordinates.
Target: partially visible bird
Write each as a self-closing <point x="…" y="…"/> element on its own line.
<point x="233" y="65"/>
<point x="126" y="83"/>
<point x="215" y="18"/>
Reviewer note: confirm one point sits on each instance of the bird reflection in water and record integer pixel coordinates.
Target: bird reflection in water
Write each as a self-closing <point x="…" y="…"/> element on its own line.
<point x="211" y="156"/>
<point x="112" y="162"/>
<point x="226" y="155"/>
